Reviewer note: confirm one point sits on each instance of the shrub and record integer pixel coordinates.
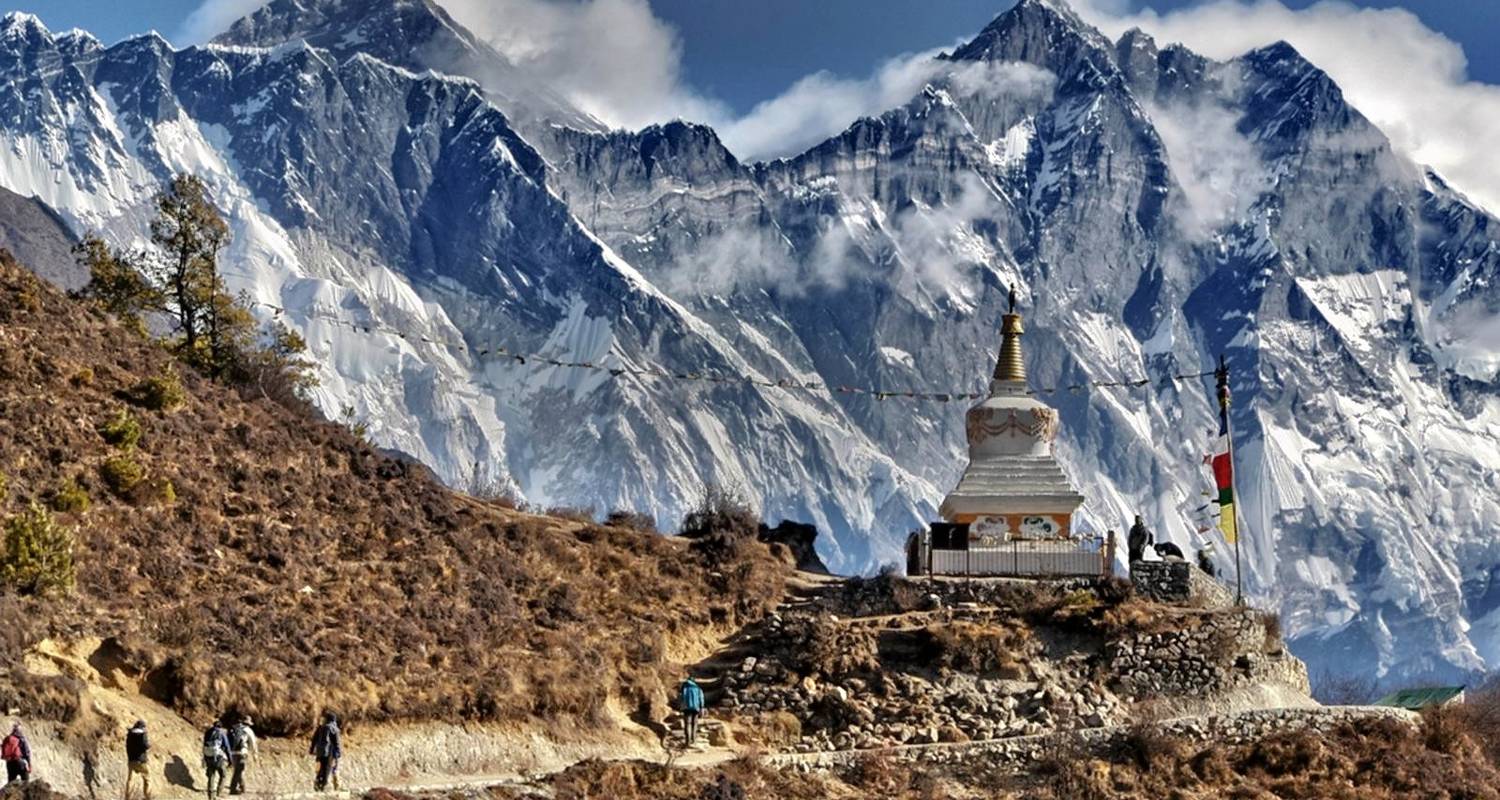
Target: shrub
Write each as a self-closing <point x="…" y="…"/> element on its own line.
<point x="1149" y="747"/>
<point x="720" y="526"/>
<point x="632" y="520"/>
<point x="121" y="474"/>
<point x="37" y="557"/>
<point x="70" y="498"/>
<point x="720" y="511"/>
<point x="4" y="488"/>
<point x="83" y="377"/>
<point x="1272" y="624"/>
<point x="161" y="392"/>
<point x="571" y="513"/>
<point x="781" y="728"/>
<point x="821" y="646"/>
<point x="976" y="648"/>
<point x="121" y="431"/>
<point x="161" y="492"/>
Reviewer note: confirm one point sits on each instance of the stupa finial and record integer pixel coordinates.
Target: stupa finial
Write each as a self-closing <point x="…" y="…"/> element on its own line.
<point x="1011" y="366"/>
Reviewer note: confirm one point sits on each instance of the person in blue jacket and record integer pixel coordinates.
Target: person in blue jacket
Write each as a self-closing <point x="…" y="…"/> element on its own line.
<point x="327" y="747"/>
<point x="690" y="701"/>
<point x="216" y="752"/>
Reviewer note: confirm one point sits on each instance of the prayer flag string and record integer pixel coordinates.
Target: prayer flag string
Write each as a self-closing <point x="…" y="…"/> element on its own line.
<point x="497" y="352"/>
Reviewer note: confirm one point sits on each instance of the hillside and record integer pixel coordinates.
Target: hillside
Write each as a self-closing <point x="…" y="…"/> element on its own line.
<point x="38" y="238"/>
<point x="236" y="554"/>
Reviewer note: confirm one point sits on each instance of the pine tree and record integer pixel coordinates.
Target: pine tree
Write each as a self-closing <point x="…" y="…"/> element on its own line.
<point x="179" y="279"/>
<point x="36" y="554"/>
<point x="116" y="282"/>
<point x="189" y="234"/>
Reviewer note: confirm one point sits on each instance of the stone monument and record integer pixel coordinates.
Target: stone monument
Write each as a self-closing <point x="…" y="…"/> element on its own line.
<point x="1013" y="487"/>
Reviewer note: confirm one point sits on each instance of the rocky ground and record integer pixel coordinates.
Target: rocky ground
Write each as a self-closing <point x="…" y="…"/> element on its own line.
<point x="889" y="662"/>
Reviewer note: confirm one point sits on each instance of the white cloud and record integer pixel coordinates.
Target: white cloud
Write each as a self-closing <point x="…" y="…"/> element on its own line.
<point x="1220" y="170"/>
<point x="611" y="58"/>
<point x="213" y="18"/>
<point x="1409" y="80"/>
<point x="821" y="105"/>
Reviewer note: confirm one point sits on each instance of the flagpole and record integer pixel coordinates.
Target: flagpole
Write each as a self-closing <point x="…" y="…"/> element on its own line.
<point x="1222" y="376"/>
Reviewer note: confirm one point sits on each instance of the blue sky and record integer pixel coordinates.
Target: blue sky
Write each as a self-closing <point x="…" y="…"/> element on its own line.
<point x="742" y="53"/>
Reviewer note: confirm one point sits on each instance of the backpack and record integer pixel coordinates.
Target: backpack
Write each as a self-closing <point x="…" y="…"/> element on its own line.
<point x="213" y="746"/>
<point x="10" y="750"/>
<point x="692" y="697"/>
<point x="238" y="741"/>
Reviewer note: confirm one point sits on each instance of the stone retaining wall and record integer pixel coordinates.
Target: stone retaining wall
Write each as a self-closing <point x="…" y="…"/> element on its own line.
<point x="1019" y="753"/>
<point x="1179" y="582"/>
<point x="1208" y="653"/>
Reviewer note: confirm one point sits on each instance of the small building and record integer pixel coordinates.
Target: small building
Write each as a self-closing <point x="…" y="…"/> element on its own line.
<point x="1012" y="511"/>
<point x="1426" y="697"/>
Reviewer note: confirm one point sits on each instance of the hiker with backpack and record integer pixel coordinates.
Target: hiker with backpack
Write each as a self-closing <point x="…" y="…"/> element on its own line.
<point x="242" y="748"/>
<point x="690" y="700"/>
<point x="216" y="752"/>
<point x="327" y="748"/>
<point x="15" y="751"/>
<point x="137" y="758"/>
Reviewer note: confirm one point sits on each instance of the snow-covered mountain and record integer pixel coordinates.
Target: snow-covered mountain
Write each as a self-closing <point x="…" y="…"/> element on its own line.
<point x="1156" y="209"/>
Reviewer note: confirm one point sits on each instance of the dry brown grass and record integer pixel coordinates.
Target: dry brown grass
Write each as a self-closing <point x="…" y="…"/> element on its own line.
<point x="738" y="780"/>
<point x="299" y="569"/>
<point x="1377" y="760"/>
<point x="980" y="648"/>
<point x="821" y="647"/>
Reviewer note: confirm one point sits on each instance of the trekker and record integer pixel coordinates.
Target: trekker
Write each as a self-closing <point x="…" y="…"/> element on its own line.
<point x="690" y="698"/>
<point x="16" y="752"/>
<point x="242" y="748"/>
<point x="216" y="752"/>
<point x="1139" y="538"/>
<point x="327" y="748"/>
<point x="1206" y="561"/>
<point x="137" y="758"/>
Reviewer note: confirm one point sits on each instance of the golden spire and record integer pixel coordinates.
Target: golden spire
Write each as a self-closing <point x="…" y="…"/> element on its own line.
<point x="1011" y="367"/>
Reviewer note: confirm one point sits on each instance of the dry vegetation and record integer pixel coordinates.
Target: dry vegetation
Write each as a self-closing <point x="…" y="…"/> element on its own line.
<point x="237" y="552"/>
<point x="1377" y="760"/>
<point x="1442" y="759"/>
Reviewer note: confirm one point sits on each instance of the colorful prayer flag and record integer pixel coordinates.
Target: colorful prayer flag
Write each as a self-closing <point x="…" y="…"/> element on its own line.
<point x="1224" y="472"/>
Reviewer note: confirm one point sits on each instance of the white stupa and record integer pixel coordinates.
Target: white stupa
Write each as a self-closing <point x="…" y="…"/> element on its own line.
<point x="1013" y="487"/>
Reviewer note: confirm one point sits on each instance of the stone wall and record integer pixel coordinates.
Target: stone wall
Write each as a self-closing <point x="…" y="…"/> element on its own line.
<point x="1021" y="753"/>
<point x="1179" y="582"/>
<point x="1205" y="652"/>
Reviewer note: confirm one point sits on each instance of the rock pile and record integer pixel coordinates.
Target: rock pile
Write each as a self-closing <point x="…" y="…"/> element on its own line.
<point x="887" y="662"/>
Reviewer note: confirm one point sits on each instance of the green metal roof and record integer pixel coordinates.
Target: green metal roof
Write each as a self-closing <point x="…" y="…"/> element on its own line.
<point x="1415" y="699"/>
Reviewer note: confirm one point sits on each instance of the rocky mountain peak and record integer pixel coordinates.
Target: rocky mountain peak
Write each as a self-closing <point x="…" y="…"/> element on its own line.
<point x="416" y="35"/>
<point x="23" y="35"/>
<point x="1047" y="33"/>
<point x="349" y="25"/>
